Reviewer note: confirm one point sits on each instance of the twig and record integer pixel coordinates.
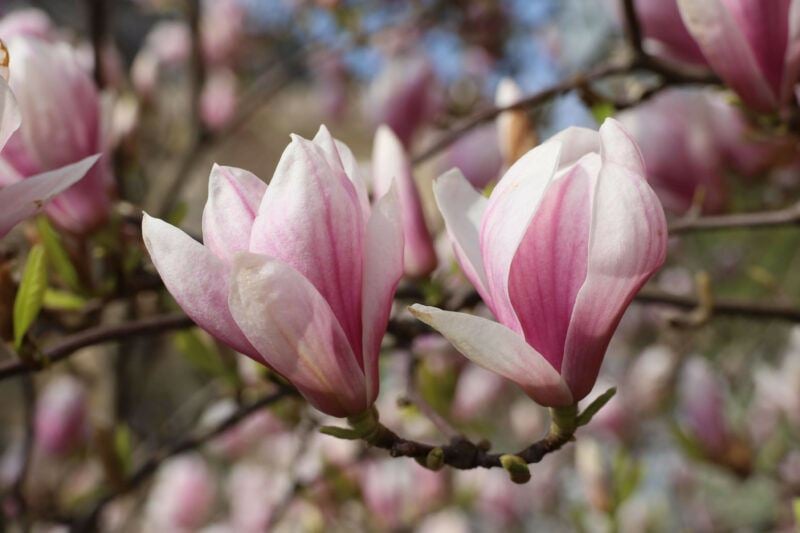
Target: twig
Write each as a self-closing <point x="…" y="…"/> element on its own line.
<point x="531" y="101"/>
<point x="722" y="307"/>
<point x="98" y="30"/>
<point x="151" y="465"/>
<point x="789" y="216"/>
<point x="97" y="335"/>
<point x="18" y="486"/>
<point x="633" y="27"/>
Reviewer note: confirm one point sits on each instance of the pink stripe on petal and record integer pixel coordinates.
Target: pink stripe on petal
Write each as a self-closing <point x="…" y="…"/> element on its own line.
<point x="508" y="214"/>
<point x="551" y="262"/>
<point x="627" y="245"/>
<point x="310" y="219"/>
<point x="728" y="52"/>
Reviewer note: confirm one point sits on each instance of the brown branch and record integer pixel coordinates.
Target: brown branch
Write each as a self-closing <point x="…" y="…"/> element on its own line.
<point x="151" y="465"/>
<point x="98" y="31"/>
<point x="722" y="307"/>
<point x="789" y="216"/>
<point x="107" y="333"/>
<point x="633" y="27"/>
<point x="531" y="101"/>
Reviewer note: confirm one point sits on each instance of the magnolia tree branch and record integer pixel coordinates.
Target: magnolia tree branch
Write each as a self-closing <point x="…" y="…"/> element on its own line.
<point x="789" y="216"/>
<point x="145" y="471"/>
<point x="68" y="345"/>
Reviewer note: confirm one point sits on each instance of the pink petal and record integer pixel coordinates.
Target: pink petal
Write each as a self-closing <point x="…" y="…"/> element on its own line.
<point x="310" y="219"/>
<point x="27" y="197"/>
<point x="292" y="325"/>
<point x="197" y="279"/>
<point x="500" y="350"/>
<point x="727" y="50"/>
<point x="462" y="209"/>
<point x="390" y="164"/>
<point x="383" y="268"/>
<point x="10" y="117"/>
<point x="791" y="69"/>
<point x="550" y="265"/>
<point x="233" y="199"/>
<point x="627" y="245"/>
<point x="765" y="26"/>
<point x="508" y="214"/>
<point x="340" y="156"/>
<point x="575" y="142"/>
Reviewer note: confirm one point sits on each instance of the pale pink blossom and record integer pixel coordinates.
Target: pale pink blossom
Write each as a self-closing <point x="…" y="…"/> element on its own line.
<point x="60" y="109"/>
<point x="391" y="164"/>
<point x="690" y="139"/>
<point x="183" y="495"/>
<point x="396" y="493"/>
<point x="753" y="45"/>
<point x="582" y="192"/>
<point x="61" y="421"/>
<point x="299" y="275"/>
<point x="30" y="22"/>
<point x="476" y="392"/>
<point x="476" y="155"/>
<point x="22" y="199"/>
<point x="702" y="407"/>
<point x="665" y="33"/>
<point x="218" y="99"/>
<point x="404" y="96"/>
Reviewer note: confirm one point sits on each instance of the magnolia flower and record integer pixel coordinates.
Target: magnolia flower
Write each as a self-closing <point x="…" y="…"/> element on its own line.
<point x="299" y="275"/>
<point x="61" y="125"/>
<point x="702" y="407"/>
<point x="689" y="138"/>
<point x="403" y="96"/>
<point x="183" y="494"/>
<point x="19" y="200"/>
<point x="665" y="33"/>
<point x="31" y="21"/>
<point x="390" y="164"/>
<point x="753" y="45"/>
<point x="477" y="155"/>
<point x="557" y="252"/>
<point x="61" y="420"/>
<point x="218" y="99"/>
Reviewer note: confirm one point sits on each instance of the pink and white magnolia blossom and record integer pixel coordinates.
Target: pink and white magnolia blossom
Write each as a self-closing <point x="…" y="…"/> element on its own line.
<point x="299" y="275"/>
<point x="557" y="252"/>
<point x="31" y="21"/>
<point x="753" y="45"/>
<point x="61" y="421"/>
<point x="689" y="139"/>
<point x="60" y="110"/>
<point x="702" y="407"/>
<point x="183" y="495"/>
<point x="403" y="96"/>
<point x="22" y="199"/>
<point x="665" y="33"/>
<point x="477" y="155"/>
<point x="390" y="164"/>
<point x="218" y="99"/>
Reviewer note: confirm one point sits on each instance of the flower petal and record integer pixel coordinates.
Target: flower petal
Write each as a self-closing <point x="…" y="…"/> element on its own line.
<point x="462" y="209"/>
<point x="27" y="197"/>
<point x="292" y="325"/>
<point x="508" y="214"/>
<point x="727" y="50"/>
<point x="310" y="219"/>
<point x="10" y="117"/>
<point x="576" y="142"/>
<point x="500" y="350"/>
<point x="390" y="164"/>
<point x="340" y="156"/>
<point x="233" y="199"/>
<point x="383" y="268"/>
<point x="197" y="279"/>
<point x="550" y="265"/>
<point x="627" y="245"/>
